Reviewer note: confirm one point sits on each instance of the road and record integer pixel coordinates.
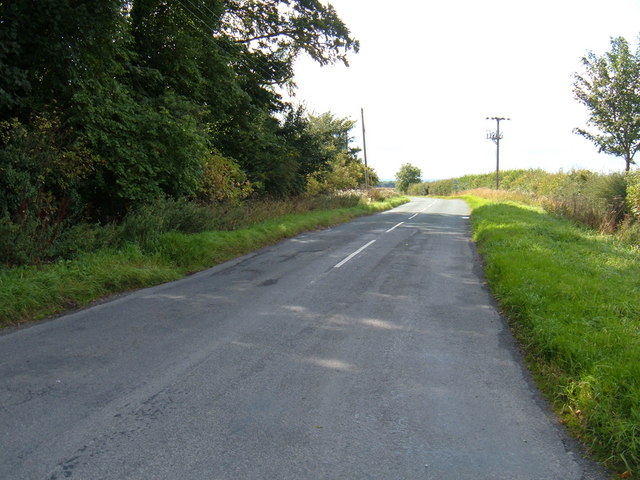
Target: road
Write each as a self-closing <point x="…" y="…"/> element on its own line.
<point x="371" y="350"/>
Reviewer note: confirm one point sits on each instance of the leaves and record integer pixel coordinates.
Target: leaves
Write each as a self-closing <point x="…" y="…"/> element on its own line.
<point x="610" y="89"/>
<point x="158" y="98"/>
<point x="407" y="175"/>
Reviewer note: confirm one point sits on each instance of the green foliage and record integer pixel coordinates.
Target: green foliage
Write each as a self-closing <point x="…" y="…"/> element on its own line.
<point x="633" y="193"/>
<point x="165" y="251"/>
<point x="285" y="29"/>
<point x="49" y="45"/>
<point x="380" y="194"/>
<point x="600" y="201"/>
<point x="148" y="149"/>
<point x="610" y="89"/>
<point x="407" y="175"/>
<point x="340" y="173"/>
<point x="148" y="99"/>
<point x="41" y="167"/>
<point x="572" y="297"/>
<point x="42" y="170"/>
<point x="337" y="166"/>
<point x="418" y="189"/>
<point x="534" y="181"/>
<point x="223" y="180"/>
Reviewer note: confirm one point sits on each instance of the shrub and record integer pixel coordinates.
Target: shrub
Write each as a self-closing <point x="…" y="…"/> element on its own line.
<point x="145" y="225"/>
<point x="418" y="189"/>
<point x="633" y="193"/>
<point x="629" y="231"/>
<point x="381" y="194"/>
<point x="599" y="201"/>
<point x="20" y="243"/>
<point x="223" y="180"/>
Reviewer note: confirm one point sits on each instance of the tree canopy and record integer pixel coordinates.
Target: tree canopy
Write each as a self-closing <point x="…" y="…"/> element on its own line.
<point x="106" y="105"/>
<point x="407" y="175"/>
<point x="610" y="89"/>
<point x="338" y="165"/>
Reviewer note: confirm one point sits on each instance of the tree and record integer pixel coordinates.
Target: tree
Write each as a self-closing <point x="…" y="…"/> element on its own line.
<point x="610" y="89"/>
<point x="108" y="105"/>
<point x="337" y="165"/>
<point x="283" y="28"/>
<point x="407" y="175"/>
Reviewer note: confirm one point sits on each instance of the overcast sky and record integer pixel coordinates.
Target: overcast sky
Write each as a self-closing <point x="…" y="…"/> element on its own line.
<point x="430" y="72"/>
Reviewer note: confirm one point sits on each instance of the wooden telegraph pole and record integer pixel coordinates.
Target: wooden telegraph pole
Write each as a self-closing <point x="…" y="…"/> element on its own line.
<point x="364" y="148"/>
<point x="496" y="136"/>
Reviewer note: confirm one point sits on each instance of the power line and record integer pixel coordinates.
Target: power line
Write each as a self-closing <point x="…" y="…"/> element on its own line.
<point x="195" y="16"/>
<point x="204" y="4"/>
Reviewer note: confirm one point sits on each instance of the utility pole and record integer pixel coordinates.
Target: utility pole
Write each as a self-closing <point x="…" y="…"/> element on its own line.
<point x="496" y="136"/>
<point x="364" y="147"/>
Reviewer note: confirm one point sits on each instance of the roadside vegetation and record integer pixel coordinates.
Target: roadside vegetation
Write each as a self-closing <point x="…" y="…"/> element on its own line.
<point x="573" y="298"/>
<point x="561" y="257"/>
<point x="142" y="139"/>
<point x="165" y="241"/>
<point x="607" y="203"/>
<point x="125" y="107"/>
<point x="407" y="176"/>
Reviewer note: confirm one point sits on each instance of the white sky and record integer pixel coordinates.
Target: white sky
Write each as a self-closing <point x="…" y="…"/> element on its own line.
<point x="430" y="72"/>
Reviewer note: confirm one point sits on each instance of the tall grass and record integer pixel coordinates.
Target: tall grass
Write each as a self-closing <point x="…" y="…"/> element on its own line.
<point x="151" y="256"/>
<point x="29" y="240"/>
<point x="573" y="298"/>
<point x="607" y="203"/>
<point x="533" y="181"/>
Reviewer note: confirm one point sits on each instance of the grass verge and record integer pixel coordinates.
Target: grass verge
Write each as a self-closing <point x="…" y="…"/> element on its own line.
<point x="30" y="293"/>
<point x="573" y="299"/>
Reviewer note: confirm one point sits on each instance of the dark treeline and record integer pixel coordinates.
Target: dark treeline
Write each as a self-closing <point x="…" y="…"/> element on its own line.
<point x="108" y="105"/>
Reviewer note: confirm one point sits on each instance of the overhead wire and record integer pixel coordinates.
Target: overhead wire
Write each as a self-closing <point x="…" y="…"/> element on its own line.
<point x="195" y="15"/>
<point x="204" y="4"/>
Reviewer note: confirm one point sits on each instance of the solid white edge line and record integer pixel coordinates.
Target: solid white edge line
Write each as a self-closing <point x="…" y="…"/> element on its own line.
<point x="353" y="254"/>
<point x="394" y="227"/>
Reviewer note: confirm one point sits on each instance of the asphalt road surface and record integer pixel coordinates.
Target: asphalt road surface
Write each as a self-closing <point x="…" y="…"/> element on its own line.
<point x="371" y="350"/>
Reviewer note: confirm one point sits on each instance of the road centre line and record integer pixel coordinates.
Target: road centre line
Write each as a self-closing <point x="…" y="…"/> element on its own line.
<point x="394" y="227"/>
<point x="338" y="265"/>
<point x="418" y="213"/>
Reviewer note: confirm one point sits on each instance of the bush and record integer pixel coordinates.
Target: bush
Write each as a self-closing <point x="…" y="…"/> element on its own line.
<point x="223" y="180"/>
<point x="29" y="241"/>
<point x="629" y="231"/>
<point x="20" y="243"/>
<point x="418" y="189"/>
<point x="599" y="201"/>
<point x="381" y="194"/>
<point x="633" y="193"/>
<point x="145" y="225"/>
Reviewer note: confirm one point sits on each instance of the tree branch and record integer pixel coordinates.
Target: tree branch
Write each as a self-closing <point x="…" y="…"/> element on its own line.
<point x="265" y="36"/>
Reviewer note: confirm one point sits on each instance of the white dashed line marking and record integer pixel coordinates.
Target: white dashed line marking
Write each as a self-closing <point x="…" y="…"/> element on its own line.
<point x="394" y="227"/>
<point x="338" y="265"/>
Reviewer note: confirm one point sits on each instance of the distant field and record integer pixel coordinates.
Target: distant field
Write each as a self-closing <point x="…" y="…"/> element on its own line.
<point x="573" y="299"/>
